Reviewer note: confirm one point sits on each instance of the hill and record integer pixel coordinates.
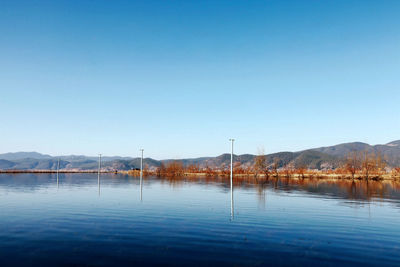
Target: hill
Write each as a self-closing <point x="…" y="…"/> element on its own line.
<point x="390" y="151"/>
<point x="317" y="158"/>
<point x="23" y="155"/>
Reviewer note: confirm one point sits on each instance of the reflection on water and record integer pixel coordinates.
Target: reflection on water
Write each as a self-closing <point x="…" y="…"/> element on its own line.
<point x="357" y="191"/>
<point x="62" y="218"/>
<point x="141" y="188"/>
<point x="346" y="189"/>
<point x="232" y="208"/>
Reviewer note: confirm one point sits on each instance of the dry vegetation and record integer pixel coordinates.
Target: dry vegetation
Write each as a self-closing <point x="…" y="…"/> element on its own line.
<point x="54" y="171"/>
<point x="357" y="165"/>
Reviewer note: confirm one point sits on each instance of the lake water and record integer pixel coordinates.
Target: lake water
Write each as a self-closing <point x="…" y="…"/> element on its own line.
<point x="182" y="222"/>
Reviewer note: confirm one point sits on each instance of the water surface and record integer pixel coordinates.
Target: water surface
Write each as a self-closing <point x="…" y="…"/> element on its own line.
<point x="182" y="222"/>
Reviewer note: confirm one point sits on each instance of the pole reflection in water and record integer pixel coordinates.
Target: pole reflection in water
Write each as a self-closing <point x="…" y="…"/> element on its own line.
<point x="232" y="140"/>
<point x="98" y="173"/>
<point x="261" y="193"/>
<point x="141" y="188"/>
<point x="98" y="182"/>
<point x="232" y="203"/>
<point x="58" y="168"/>
<point x="141" y="174"/>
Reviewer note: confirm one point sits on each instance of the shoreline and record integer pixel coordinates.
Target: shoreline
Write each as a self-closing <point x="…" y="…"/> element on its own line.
<point x="320" y="176"/>
<point x="260" y="177"/>
<point x="54" y="171"/>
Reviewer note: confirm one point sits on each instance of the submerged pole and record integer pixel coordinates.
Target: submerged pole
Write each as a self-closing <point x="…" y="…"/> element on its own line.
<point x="141" y="174"/>
<point x="232" y="140"/>
<point x="141" y="164"/>
<point x="58" y="168"/>
<point x="98" y="173"/>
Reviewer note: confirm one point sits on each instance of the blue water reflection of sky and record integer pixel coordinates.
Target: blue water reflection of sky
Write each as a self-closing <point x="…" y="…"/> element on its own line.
<point x="177" y="216"/>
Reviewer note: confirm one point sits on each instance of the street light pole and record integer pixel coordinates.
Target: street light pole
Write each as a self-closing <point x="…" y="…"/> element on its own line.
<point x="232" y="140"/>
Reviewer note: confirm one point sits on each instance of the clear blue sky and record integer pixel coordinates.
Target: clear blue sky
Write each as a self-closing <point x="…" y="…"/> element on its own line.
<point x="179" y="78"/>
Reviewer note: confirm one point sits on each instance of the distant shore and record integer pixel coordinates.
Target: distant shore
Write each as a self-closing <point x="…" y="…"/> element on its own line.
<point x="55" y="171"/>
<point x="240" y="176"/>
<point x="259" y="177"/>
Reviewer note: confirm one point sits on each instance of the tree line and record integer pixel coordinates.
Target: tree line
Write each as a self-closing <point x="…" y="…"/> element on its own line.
<point x="356" y="165"/>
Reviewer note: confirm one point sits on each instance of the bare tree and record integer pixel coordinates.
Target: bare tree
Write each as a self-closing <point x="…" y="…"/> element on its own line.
<point x="267" y="172"/>
<point x="259" y="162"/>
<point x="395" y="172"/>
<point x="161" y="170"/>
<point x="353" y="163"/>
<point x="288" y="170"/>
<point x="275" y="166"/>
<point x="380" y="164"/>
<point x="172" y="169"/>
<point x="209" y="172"/>
<point x="301" y="170"/>
<point x="368" y="163"/>
<point x="238" y="168"/>
<point x="192" y="168"/>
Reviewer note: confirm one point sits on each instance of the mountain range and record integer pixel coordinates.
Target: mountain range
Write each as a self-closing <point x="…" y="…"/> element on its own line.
<point x="316" y="158"/>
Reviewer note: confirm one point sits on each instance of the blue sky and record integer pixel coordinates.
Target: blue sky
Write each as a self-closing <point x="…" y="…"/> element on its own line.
<point x="179" y="78"/>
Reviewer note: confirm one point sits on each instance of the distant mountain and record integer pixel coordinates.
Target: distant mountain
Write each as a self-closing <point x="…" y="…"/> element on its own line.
<point x="23" y="155"/>
<point x="394" y="143"/>
<point x="5" y="164"/>
<point x="390" y="151"/>
<point x="81" y="157"/>
<point x="317" y="158"/>
<point x="343" y="149"/>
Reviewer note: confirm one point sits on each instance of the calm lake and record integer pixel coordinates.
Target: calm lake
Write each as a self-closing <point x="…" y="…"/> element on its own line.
<point x="182" y="222"/>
